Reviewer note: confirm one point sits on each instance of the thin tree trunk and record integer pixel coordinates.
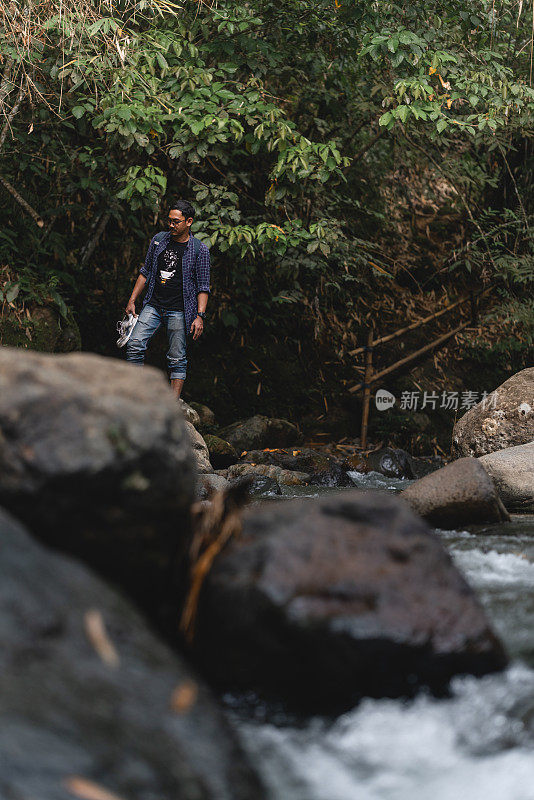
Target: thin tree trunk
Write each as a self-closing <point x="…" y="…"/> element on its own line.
<point x="91" y="245"/>
<point x="10" y="116"/>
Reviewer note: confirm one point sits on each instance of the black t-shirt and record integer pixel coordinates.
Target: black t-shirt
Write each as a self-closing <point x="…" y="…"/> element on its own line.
<point x="168" y="290"/>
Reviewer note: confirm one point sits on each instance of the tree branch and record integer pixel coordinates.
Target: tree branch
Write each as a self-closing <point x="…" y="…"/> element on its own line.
<point x="22" y="202"/>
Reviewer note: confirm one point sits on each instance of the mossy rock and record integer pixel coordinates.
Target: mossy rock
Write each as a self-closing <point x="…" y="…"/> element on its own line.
<point x="222" y="454"/>
<point x="45" y="330"/>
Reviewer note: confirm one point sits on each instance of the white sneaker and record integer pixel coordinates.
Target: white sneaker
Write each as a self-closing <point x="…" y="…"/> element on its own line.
<point x="125" y="328"/>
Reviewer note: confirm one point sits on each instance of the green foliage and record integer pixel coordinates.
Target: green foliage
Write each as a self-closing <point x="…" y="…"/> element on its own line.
<point x="281" y="121"/>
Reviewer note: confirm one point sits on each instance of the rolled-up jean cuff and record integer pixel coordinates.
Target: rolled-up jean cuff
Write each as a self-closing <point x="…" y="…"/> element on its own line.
<point x="175" y="376"/>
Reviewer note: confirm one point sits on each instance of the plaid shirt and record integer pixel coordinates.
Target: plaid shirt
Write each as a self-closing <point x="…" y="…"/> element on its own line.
<point x="196" y="276"/>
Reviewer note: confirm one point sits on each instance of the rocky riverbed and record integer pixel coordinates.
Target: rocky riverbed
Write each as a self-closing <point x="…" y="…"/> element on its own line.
<point x="476" y="743"/>
<point x="317" y="597"/>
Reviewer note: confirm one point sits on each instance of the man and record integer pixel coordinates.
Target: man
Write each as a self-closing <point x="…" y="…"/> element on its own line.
<point x="177" y="269"/>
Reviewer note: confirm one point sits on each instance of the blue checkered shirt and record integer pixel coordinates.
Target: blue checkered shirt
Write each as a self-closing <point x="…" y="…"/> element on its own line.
<point x="196" y="275"/>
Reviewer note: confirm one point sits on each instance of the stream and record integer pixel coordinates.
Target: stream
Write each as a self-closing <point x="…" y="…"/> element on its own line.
<point x="476" y="744"/>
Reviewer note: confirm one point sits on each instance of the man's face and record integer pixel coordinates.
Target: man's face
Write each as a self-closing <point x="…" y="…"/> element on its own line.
<point x="178" y="224"/>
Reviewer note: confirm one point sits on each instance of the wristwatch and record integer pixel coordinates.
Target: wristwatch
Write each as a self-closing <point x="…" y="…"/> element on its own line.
<point x="201" y="314"/>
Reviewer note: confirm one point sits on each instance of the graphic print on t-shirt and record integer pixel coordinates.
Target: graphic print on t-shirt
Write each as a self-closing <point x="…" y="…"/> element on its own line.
<point x="170" y="259"/>
<point x="168" y="290"/>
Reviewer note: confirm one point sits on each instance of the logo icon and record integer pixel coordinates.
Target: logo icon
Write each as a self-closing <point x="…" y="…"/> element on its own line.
<point x="384" y="400"/>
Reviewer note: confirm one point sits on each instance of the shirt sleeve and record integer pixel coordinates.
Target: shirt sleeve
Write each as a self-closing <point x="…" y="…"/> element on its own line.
<point x="202" y="270"/>
<point x="145" y="269"/>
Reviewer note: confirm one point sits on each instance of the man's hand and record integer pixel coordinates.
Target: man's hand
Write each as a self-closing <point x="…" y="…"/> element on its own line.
<point x="197" y="327"/>
<point x="130" y="308"/>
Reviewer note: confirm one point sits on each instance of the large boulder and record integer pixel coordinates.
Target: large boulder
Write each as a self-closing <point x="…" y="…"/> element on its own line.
<point x="504" y="419"/>
<point x="42" y="328"/>
<point x="459" y="494"/>
<point x="92" y="704"/>
<point x="322" y="601"/>
<point x="512" y="471"/>
<point x="95" y="458"/>
<point x="258" y="432"/>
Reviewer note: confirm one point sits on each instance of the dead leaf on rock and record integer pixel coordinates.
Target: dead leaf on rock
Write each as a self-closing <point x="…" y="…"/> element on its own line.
<point x="96" y="633"/>
<point x="184" y="697"/>
<point x="87" y="790"/>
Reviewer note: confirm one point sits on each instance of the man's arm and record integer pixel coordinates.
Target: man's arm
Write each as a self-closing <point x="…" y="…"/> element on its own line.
<point x="202" y="300"/>
<point x="140" y="282"/>
<point x="138" y="288"/>
<point x="202" y="271"/>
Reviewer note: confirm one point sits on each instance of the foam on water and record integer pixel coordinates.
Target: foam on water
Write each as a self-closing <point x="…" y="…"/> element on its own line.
<point x="493" y="569"/>
<point x="476" y="745"/>
<point x="375" y="480"/>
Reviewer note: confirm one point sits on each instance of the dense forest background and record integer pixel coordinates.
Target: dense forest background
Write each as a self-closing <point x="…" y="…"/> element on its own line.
<point x="351" y="164"/>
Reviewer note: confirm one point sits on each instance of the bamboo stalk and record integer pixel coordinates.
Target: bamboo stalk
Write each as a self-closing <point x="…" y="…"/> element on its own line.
<point x="412" y="356"/>
<point x="367" y="389"/>
<point x="413" y="325"/>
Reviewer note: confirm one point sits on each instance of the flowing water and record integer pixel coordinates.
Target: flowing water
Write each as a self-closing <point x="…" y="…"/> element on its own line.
<point x="478" y="744"/>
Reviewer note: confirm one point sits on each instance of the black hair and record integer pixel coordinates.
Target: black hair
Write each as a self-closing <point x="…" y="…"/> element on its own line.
<point x="184" y="206"/>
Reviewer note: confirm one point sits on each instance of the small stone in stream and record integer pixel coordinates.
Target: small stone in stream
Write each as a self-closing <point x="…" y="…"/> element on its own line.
<point x="92" y="704"/>
<point x="504" y="419"/>
<point x="394" y="463"/>
<point x="424" y="465"/>
<point x="259" y="432"/>
<point x="512" y="472"/>
<point x="461" y="493"/>
<point x="336" y="476"/>
<point x="391" y="462"/>
<point x="263" y="486"/>
<point x="210" y="483"/>
<point x="323" y="601"/>
<point x="222" y="454"/>
<point x="95" y="458"/>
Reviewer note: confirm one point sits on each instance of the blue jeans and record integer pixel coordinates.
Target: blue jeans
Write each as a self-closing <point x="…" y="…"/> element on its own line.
<point x="150" y="320"/>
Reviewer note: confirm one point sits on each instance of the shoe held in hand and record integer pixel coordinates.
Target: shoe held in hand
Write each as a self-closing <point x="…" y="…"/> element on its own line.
<point x="125" y="328"/>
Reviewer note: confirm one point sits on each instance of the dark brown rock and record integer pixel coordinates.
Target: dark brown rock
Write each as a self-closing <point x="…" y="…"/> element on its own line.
<point x="390" y="461"/>
<point x="323" y="469"/>
<point x="505" y="419"/>
<point x="95" y="458"/>
<point x="258" y="432"/>
<point x="222" y="454"/>
<point x="285" y="477"/>
<point x="91" y="700"/>
<point x="205" y="415"/>
<point x="301" y="459"/>
<point x="461" y="493"/>
<point x="324" y="601"/>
